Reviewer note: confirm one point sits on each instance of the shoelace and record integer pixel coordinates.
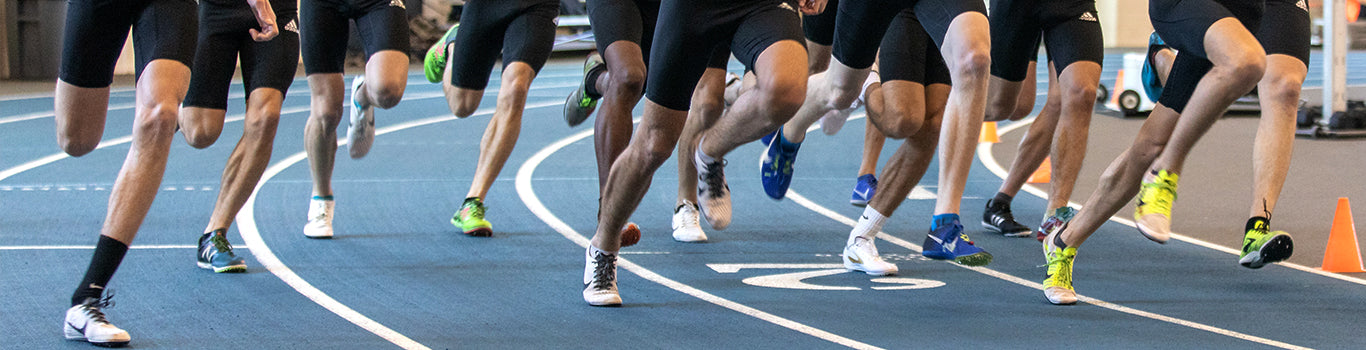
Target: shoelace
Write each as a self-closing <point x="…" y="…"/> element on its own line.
<point x="604" y="271"/>
<point x="221" y="244"/>
<point x="1161" y="203"/>
<point x="1059" y="261"/>
<point x="690" y="219"/>
<point x="322" y="211"/>
<point x="474" y="210"/>
<point x="715" y="177"/>
<point x="93" y="307"/>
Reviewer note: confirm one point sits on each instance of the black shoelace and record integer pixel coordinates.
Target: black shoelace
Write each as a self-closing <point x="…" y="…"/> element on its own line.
<point x="604" y="271"/>
<point x="93" y="306"/>
<point x="715" y="178"/>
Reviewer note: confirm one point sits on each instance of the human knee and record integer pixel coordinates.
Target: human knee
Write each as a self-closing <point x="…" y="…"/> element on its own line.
<point x="76" y="146"/>
<point x="974" y="61"/>
<point x="906" y="120"/>
<point x="160" y="119"/>
<point x="784" y="96"/>
<point x="629" y="78"/>
<point x="1247" y="70"/>
<point x="1000" y="109"/>
<point x="387" y="95"/>
<point x="328" y="117"/>
<point x="200" y="136"/>
<point x="265" y="119"/>
<point x="1080" y="93"/>
<point x="1280" y="88"/>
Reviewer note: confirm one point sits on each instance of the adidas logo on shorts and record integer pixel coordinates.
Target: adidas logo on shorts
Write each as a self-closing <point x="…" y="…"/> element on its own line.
<point x="398" y="3"/>
<point x="1091" y="17"/>
<point x="1302" y="5"/>
<point x="292" y="26"/>
<point x="785" y="6"/>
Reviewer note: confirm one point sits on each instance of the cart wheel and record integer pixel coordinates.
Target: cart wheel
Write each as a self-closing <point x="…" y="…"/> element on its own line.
<point x="1102" y="93"/>
<point x="1128" y="102"/>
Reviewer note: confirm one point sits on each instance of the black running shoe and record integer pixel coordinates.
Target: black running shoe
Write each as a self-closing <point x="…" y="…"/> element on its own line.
<point x="997" y="217"/>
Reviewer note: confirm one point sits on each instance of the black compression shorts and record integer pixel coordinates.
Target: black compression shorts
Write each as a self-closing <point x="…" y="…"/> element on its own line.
<point x="382" y="24"/>
<point x="691" y="30"/>
<point x="908" y="54"/>
<point x="223" y="38"/>
<point x="624" y="20"/>
<point x="1285" y="29"/>
<point x="860" y="25"/>
<point x="1070" y="29"/>
<point x="820" y="29"/>
<point x="521" y="30"/>
<point x="96" y="30"/>
<point x="1182" y="24"/>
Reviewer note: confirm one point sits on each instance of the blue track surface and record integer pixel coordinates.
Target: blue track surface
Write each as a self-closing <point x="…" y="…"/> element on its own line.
<point x="398" y="274"/>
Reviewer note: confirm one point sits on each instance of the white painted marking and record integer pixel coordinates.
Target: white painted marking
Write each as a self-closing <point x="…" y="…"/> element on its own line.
<point x="733" y="268"/>
<point x="920" y="193"/>
<point x="906" y="283"/>
<point x="89" y="247"/>
<point x="49" y="114"/>
<point x="246" y="225"/>
<point x="793" y="280"/>
<point x="800" y="200"/>
<point x="989" y="160"/>
<point x="528" y="196"/>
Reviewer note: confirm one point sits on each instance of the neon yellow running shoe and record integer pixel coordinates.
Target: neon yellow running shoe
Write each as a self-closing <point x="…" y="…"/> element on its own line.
<point x="470" y="219"/>
<point x="580" y="104"/>
<point x="1262" y="246"/>
<point x="434" y="64"/>
<point x="1153" y="217"/>
<point x="1058" y="286"/>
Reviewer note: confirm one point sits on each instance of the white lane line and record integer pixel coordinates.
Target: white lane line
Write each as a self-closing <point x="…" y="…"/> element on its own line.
<point x="49" y="159"/>
<point x="90" y="247"/>
<point x="49" y="114"/>
<point x="801" y="200"/>
<point x="989" y="160"/>
<point x="246" y="226"/>
<point x="528" y="195"/>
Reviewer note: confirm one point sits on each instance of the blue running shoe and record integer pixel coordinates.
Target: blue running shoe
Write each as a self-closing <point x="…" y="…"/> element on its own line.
<point x="216" y="254"/>
<point x="775" y="165"/>
<point x="950" y="243"/>
<point x="864" y="190"/>
<point x="1152" y="85"/>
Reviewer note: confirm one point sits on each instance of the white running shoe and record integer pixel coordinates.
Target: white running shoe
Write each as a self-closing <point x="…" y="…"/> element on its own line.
<point x="733" y="85"/>
<point x="319" y="219"/>
<point x="86" y="322"/>
<point x="360" y="135"/>
<point x="686" y="227"/>
<point x="600" y="279"/>
<point x="713" y="195"/>
<point x="862" y="256"/>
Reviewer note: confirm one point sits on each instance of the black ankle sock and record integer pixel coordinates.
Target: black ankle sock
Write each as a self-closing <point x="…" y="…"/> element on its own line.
<point x="1001" y="198"/>
<point x="108" y="254"/>
<point x="590" y="82"/>
<point x="1253" y="222"/>
<point x="1057" y="241"/>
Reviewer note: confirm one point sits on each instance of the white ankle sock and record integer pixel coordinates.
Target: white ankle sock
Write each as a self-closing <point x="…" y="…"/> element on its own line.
<point x="868" y="225"/>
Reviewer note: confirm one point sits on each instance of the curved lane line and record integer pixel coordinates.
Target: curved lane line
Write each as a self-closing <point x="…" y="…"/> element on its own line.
<point x="528" y="195"/>
<point x="251" y="234"/>
<point x="989" y="160"/>
<point x="803" y="201"/>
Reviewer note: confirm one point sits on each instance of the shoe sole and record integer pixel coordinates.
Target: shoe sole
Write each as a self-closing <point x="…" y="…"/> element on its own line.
<point x="858" y="202"/>
<point x="1276" y="250"/>
<point x="318" y="236"/>
<point x="474" y="232"/>
<point x="571" y="109"/>
<point x="225" y="269"/>
<point x="859" y="268"/>
<point x="993" y="228"/>
<point x="607" y="304"/>
<point x="360" y="144"/>
<point x="978" y="259"/>
<point x="1145" y="231"/>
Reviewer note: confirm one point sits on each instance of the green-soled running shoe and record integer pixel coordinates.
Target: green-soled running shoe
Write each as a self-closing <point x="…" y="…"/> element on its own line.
<point x="470" y="219"/>
<point x="1262" y="246"/>
<point x="580" y="104"/>
<point x="1153" y="216"/>
<point x="434" y="64"/>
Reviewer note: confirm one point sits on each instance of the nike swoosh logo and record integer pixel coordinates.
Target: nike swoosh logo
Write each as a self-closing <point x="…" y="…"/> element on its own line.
<point x="863" y="193"/>
<point x="78" y="329"/>
<point x="853" y="260"/>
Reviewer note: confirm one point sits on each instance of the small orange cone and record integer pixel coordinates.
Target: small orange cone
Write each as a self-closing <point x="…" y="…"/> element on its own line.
<point x="1044" y="174"/>
<point x="989" y="133"/>
<point x="1342" y="254"/>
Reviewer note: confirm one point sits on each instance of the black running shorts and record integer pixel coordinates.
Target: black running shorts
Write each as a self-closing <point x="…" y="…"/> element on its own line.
<point x="96" y="30"/>
<point x="624" y="20"/>
<point x="1183" y="24"/>
<point x="691" y="30"/>
<point x="382" y="25"/>
<point x="1070" y="29"/>
<point x="224" y="37"/>
<point x="860" y="25"/>
<point x="820" y="29"/>
<point x="908" y="54"/>
<point x="1285" y="29"/>
<point x="521" y="30"/>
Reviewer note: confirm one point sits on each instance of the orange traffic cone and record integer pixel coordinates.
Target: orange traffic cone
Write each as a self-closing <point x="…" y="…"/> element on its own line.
<point x="1342" y="254"/>
<point x="1044" y="174"/>
<point x="989" y="133"/>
